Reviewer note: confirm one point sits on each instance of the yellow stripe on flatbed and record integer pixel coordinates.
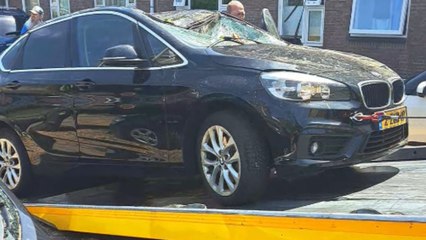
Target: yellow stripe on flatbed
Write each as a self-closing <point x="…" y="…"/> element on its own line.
<point x="203" y="224"/>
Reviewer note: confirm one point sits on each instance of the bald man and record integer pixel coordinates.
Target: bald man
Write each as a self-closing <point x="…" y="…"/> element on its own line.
<point x="236" y="9"/>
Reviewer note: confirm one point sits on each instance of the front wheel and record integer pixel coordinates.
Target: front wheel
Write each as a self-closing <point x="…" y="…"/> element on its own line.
<point x="233" y="158"/>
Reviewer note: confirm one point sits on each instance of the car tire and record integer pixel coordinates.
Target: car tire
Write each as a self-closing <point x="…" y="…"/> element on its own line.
<point x="235" y="171"/>
<point x="15" y="169"/>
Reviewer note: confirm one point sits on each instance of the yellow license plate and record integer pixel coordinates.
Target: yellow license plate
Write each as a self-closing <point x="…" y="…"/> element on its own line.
<point x="391" y="123"/>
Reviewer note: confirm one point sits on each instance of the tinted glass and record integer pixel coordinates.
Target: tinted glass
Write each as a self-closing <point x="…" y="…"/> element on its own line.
<point x="11" y="56"/>
<point x="160" y="54"/>
<point x="7" y="24"/>
<point x="97" y="33"/>
<point x="47" y="48"/>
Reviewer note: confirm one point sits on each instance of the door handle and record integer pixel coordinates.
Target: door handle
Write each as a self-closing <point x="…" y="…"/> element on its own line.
<point x="85" y="84"/>
<point x="13" y="85"/>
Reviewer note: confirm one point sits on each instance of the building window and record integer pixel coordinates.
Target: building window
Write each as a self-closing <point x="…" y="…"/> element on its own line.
<point x="382" y="18"/>
<point x="3" y="3"/>
<point x="289" y="18"/>
<point x="201" y="4"/>
<point x="313" y="25"/>
<point x="59" y="7"/>
<point x="29" y="4"/>
<point x="117" y="3"/>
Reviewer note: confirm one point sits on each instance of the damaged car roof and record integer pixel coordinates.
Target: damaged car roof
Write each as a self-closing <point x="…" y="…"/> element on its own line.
<point x="187" y="18"/>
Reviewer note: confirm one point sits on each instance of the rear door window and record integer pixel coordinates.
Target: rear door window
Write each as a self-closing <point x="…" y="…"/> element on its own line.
<point x="12" y="56"/>
<point x="47" y="47"/>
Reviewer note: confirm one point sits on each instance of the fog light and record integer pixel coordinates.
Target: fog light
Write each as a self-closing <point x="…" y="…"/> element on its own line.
<point x="314" y="148"/>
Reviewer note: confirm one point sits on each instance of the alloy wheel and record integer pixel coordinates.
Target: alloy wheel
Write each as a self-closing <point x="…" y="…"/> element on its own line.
<point x="10" y="164"/>
<point x="220" y="160"/>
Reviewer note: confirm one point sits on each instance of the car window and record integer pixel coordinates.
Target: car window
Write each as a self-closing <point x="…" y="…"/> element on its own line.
<point x="97" y="33"/>
<point x="160" y="54"/>
<point x="7" y="25"/>
<point x="10" y="57"/>
<point x="47" y="48"/>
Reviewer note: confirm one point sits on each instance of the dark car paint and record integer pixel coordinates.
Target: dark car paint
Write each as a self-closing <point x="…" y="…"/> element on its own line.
<point x="59" y="122"/>
<point x="412" y="83"/>
<point x="342" y="67"/>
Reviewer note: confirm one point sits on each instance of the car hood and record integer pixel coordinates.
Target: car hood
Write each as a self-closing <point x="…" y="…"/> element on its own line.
<point x="343" y="67"/>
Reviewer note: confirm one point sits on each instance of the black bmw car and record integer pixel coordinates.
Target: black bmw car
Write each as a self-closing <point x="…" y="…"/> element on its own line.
<point x="196" y="90"/>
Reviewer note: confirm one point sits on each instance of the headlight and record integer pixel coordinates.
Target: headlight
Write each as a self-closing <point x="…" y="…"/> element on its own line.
<point x="303" y="87"/>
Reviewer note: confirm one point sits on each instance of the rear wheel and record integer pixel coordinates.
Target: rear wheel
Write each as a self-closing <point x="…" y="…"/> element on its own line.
<point x="14" y="164"/>
<point x="233" y="158"/>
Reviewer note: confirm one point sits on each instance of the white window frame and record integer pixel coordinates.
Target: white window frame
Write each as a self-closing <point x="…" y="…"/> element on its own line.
<point x="280" y="17"/>
<point x="305" y="27"/>
<point x="381" y="33"/>
<point x="187" y="6"/>
<point x="56" y="7"/>
<point x="24" y="7"/>
<point x="220" y="6"/>
<point x="129" y="3"/>
<point x="7" y="4"/>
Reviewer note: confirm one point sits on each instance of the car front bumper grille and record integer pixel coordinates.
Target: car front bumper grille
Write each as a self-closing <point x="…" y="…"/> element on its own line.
<point x="376" y="94"/>
<point x="382" y="140"/>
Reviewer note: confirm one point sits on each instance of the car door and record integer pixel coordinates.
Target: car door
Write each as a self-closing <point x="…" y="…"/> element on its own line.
<point x="416" y="107"/>
<point x="36" y="95"/>
<point x="120" y="109"/>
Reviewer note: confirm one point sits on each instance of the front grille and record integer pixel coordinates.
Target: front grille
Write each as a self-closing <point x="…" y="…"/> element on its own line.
<point x="330" y="147"/>
<point x="382" y="140"/>
<point x="398" y="91"/>
<point x="376" y="94"/>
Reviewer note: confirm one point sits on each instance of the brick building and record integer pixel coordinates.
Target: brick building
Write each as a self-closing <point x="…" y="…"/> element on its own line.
<point x="403" y="51"/>
<point x="391" y="31"/>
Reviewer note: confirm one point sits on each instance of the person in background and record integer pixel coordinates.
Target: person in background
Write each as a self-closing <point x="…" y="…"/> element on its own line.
<point x="236" y="9"/>
<point x="35" y="19"/>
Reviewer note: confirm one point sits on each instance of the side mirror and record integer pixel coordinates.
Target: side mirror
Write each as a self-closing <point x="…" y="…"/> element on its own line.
<point x="421" y="89"/>
<point x="122" y="56"/>
<point x="268" y="23"/>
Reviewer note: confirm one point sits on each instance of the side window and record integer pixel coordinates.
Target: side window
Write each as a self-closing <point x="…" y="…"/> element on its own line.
<point x="160" y="54"/>
<point x="10" y="58"/>
<point x="97" y="33"/>
<point x="47" y="48"/>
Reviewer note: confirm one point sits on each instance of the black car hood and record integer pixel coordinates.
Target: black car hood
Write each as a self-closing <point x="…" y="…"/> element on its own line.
<point x="344" y="67"/>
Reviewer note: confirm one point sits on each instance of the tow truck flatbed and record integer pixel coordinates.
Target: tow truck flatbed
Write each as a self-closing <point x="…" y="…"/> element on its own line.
<point x="382" y="195"/>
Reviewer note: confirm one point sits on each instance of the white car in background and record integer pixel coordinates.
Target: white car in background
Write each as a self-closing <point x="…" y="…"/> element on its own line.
<point x="415" y="89"/>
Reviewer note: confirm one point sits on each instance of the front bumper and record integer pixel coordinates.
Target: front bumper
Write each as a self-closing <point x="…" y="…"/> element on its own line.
<point x="340" y="141"/>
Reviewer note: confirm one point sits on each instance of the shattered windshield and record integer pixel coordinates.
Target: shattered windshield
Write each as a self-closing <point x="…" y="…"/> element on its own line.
<point x="206" y="28"/>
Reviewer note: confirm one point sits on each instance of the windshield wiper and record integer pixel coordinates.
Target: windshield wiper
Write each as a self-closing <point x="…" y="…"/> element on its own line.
<point x="235" y="39"/>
